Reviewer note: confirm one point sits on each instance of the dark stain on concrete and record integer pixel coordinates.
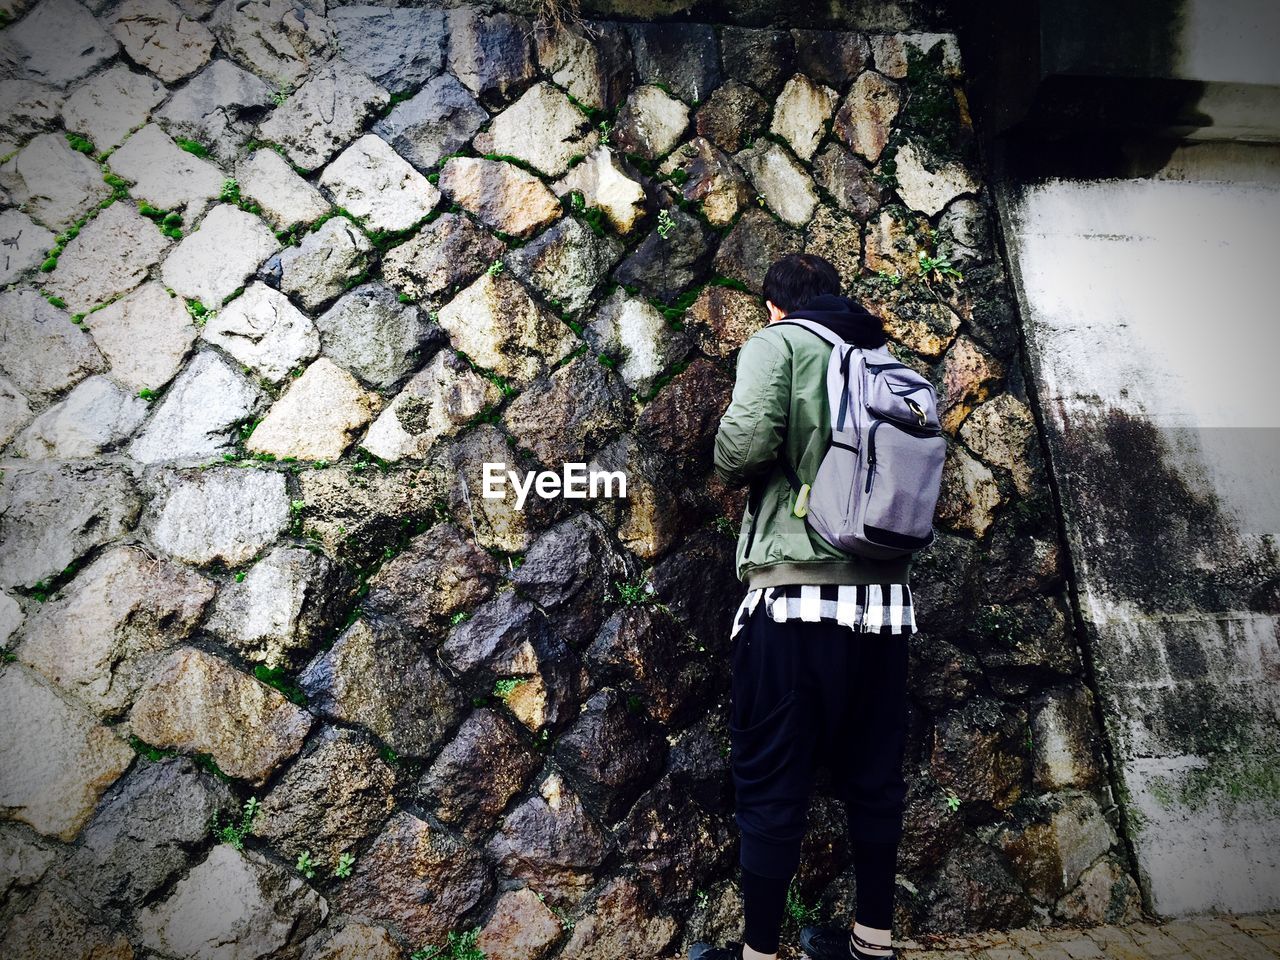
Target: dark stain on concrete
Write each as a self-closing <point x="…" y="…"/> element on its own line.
<point x="1151" y="537"/>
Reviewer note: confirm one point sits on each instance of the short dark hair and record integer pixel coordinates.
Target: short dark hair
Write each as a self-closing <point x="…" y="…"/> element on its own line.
<point x="797" y="278"/>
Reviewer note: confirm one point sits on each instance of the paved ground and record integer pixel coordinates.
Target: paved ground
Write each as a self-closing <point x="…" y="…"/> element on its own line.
<point x="1253" y="937"/>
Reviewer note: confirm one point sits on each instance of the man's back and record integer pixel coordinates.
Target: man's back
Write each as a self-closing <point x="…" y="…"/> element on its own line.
<point x="780" y="408"/>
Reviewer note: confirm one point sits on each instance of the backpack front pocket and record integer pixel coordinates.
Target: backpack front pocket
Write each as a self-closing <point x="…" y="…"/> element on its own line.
<point x="903" y="396"/>
<point x="901" y="463"/>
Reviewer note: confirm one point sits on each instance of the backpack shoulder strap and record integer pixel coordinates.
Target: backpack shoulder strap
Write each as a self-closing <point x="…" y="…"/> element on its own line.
<point x="836" y="342"/>
<point x="815" y="328"/>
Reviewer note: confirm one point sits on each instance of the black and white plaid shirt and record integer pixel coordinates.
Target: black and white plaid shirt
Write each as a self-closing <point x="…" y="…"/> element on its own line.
<point x="864" y="608"/>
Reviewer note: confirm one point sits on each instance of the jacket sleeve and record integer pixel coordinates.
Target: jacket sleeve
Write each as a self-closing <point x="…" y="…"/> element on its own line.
<point x="751" y="430"/>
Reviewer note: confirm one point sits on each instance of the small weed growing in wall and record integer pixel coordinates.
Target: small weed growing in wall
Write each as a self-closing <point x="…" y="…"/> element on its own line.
<point x="798" y="912"/>
<point x="504" y="687"/>
<point x="939" y="267"/>
<point x="462" y="616"/>
<point x="234" y="831"/>
<point x="953" y="801"/>
<point x="633" y="594"/>
<point x="666" y="223"/>
<point x="458" y="946"/>
<point x="566" y="921"/>
<point x="297" y="511"/>
<point x="999" y="624"/>
<point x="305" y="865"/>
<point x="343" y="868"/>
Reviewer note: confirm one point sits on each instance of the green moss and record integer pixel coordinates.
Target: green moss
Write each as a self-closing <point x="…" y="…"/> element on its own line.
<point x="596" y="219"/>
<point x="730" y="282"/>
<point x="119" y="187"/>
<point x="149" y="752"/>
<point x="886" y="171"/>
<point x="251" y="145"/>
<point x="155" y="754"/>
<point x="931" y="114"/>
<point x="169" y="222"/>
<point x="277" y="679"/>
<point x="384" y="240"/>
<point x="362" y="277"/>
<point x="80" y="144"/>
<point x="514" y="161"/>
<point x="194" y="147"/>
<point x="503" y="386"/>
<point x="43" y="590"/>
<point x="594" y="114"/>
<point x="662" y="381"/>
<point x="674" y="312"/>
<point x="643" y="164"/>
<point x="395" y="100"/>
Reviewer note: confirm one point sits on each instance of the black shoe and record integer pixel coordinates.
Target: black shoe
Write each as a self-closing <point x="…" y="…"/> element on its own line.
<point x="830" y="943"/>
<point x="705" y="951"/>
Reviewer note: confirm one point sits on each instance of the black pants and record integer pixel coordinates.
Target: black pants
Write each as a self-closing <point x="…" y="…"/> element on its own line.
<point x="806" y="694"/>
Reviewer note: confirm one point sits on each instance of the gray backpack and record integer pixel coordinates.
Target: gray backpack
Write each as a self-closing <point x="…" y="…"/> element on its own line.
<point x="878" y="484"/>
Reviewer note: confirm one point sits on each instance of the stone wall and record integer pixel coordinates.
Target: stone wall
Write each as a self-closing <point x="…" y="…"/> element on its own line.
<point x="279" y="680"/>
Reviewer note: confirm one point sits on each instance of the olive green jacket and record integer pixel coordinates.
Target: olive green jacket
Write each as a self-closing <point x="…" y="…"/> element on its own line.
<point x="779" y="406"/>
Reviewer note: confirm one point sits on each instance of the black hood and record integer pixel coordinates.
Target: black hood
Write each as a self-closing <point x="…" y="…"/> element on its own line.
<point x="848" y="319"/>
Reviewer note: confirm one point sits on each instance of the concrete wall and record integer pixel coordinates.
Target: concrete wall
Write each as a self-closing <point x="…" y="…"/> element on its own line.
<point x="1152" y="331"/>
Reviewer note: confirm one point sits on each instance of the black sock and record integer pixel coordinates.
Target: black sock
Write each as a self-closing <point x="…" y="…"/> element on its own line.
<point x="874" y="866"/>
<point x="764" y="899"/>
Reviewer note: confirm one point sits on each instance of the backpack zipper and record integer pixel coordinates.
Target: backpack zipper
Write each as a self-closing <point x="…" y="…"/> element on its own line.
<point x="871" y="455"/>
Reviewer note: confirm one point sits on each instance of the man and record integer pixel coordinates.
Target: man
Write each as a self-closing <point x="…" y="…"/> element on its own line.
<point x="819" y="642"/>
